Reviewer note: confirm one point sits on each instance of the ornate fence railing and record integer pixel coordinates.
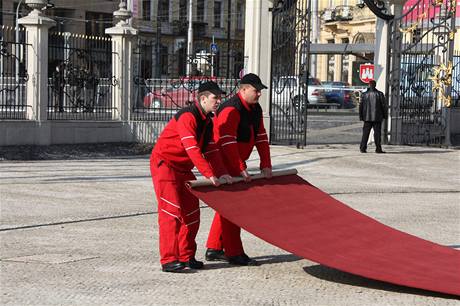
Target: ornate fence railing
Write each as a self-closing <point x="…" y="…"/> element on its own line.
<point x="290" y="79"/>
<point x="160" y="99"/>
<point x="14" y="76"/>
<point x="456" y="79"/>
<point x="80" y="77"/>
<point x="421" y="54"/>
<point x="161" y="86"/>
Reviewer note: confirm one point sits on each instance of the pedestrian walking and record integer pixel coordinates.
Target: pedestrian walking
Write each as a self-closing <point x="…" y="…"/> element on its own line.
<point x="186" y="142"/>
<point x="239" y="126"/>
<point x="372" y="110"/>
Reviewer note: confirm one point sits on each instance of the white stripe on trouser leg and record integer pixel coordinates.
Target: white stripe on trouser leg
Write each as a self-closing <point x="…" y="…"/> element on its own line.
<point x="172" y="215"/>
<point x="196" y="221"/>
<point x="192" y="212"/>
<point x="170" y="203"/>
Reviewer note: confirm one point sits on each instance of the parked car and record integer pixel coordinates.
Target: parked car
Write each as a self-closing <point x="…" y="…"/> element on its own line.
<point x="290" y="91"/>
<point x="340" y="93"/>
<point x="174" y="95"/>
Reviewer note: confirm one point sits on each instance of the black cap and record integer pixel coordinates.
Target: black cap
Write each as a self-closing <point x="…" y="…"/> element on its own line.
<point x="211" y="87"/>
<point x="254" y="80"/>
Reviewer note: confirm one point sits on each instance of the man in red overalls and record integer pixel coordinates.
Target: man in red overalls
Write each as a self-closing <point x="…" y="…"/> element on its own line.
<point x="186" y="142"/>
<point x="240" y="127"/>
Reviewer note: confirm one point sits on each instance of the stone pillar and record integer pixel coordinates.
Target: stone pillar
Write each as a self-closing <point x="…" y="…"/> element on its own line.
<point x="338" y="63"/>
<point x="37" y="26"/>
<point x="380" y="53"/>
<point x="122" y="63"/>
<point x="258" y="46"/>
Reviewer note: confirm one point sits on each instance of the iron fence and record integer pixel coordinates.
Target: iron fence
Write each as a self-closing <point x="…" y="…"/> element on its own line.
<point x="290" y="77"/>
<point x="14" y="76"/>
<point x="80" y="77"/>
<point x="455" y="93"/>
<point x="421" y="45"/>
<point x="161" y="86"/>
<point x="160" y="99"/>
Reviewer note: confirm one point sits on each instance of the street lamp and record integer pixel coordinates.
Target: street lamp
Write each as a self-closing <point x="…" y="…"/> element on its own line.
<point x="36" y="5"/>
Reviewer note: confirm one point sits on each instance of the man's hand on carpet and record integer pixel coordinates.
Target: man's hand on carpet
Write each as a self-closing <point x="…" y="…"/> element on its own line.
<point x="246" y="176"/>
<point x="215" y="181"/>
<point x="227" y="178"/>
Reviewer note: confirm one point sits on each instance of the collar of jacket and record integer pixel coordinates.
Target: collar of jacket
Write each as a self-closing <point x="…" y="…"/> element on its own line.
<point x="243" y="101"/>
<point x="202" y="112"/>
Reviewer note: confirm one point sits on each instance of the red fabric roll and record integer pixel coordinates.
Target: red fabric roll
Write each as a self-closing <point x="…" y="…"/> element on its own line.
<point x="294" y="215"/>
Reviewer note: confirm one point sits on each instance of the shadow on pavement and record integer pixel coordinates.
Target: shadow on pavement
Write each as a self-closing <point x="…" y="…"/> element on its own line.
<point x="421" y="152"/>
<point x="337" y="276"/>
<point x="262" y="260"/>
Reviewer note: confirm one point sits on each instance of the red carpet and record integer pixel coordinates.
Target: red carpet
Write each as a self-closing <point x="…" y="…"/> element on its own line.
<point x="290" y="213"/>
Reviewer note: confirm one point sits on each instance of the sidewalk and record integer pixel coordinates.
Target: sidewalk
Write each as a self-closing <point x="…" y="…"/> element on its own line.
<point x="84" y="232"/>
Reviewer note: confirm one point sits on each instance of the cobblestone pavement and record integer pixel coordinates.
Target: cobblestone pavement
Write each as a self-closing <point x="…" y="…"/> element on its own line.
<point x="84" y="232"/>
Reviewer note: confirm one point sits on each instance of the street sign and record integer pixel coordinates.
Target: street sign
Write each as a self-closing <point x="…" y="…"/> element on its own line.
<point x="366" y="72"/>
<point x="214" y="48"/>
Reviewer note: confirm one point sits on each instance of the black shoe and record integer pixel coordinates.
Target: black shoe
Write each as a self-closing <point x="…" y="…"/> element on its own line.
<point x="242" y="260"/>
<point x="215" y="255"/>
<point x="363" y="151"/>
<point x="194" y="264"/>
<point x="380" y="151"/>
<point x="173" y="266"/>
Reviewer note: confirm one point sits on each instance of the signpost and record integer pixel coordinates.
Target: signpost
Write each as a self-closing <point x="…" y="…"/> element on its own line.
<point x="366" y="72"/>
<point x="214" y="50"/>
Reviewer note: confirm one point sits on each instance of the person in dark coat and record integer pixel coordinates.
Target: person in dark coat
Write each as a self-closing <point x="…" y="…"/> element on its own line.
<point x="372" y="110"/>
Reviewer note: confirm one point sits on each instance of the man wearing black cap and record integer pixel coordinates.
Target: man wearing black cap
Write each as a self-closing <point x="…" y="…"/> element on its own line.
<point x="240" y="127"/>
<point x="186" y="142"/>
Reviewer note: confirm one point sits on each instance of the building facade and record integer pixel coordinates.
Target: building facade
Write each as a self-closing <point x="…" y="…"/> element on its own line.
<point x="163" y="29"/>
<point x="344" y="22"/>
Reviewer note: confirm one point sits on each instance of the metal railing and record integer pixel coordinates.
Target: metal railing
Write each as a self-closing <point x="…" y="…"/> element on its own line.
<point x="160" y="99"/>
<point x="80" y="79"/>
<point x="14" y="76"/>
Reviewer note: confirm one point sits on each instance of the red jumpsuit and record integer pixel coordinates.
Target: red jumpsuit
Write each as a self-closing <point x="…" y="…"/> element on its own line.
<point x="178" y="150"/>
<point x="236" y="149"/>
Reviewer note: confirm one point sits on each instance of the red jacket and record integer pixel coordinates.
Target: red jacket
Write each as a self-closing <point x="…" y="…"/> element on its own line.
<point x="180" y="144"/>
<point x="235" y="152"/>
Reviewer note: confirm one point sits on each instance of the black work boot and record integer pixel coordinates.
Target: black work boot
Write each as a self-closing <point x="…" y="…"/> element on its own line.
<point x="215" y="255"/>
<point x="194" y="264"/>
<point x="173" y="266"/>
<point x="242" y="260"/>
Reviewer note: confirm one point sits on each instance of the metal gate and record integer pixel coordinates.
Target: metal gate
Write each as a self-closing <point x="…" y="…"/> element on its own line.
<point x="421" y="52"/>
<point x="290" y="72"/>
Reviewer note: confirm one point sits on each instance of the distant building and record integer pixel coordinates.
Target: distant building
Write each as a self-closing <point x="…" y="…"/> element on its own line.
<point x="156" y="19"/>
<point x="344" y="22"/>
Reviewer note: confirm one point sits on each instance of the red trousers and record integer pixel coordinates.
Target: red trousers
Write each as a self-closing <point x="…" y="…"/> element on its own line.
<point x="178" y="212"/>
<point x="225" y="235"/>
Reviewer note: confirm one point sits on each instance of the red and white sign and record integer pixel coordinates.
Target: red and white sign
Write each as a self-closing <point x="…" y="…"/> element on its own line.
<point x="366" y="72"/>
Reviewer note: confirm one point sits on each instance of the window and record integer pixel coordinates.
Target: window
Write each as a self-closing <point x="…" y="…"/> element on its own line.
<point x="240" y="15"/>
<point x="146" y="4"/>
<point x="1" y="12"/>
<point x="183" y="10"/>
<point x="97" y="23"/>
<point x="164" y="60"/>
<point x="200" y="10"/>
<point x="416" y="35"/>
<point x="163" y="10"/>
<point x="218" y="14"/>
